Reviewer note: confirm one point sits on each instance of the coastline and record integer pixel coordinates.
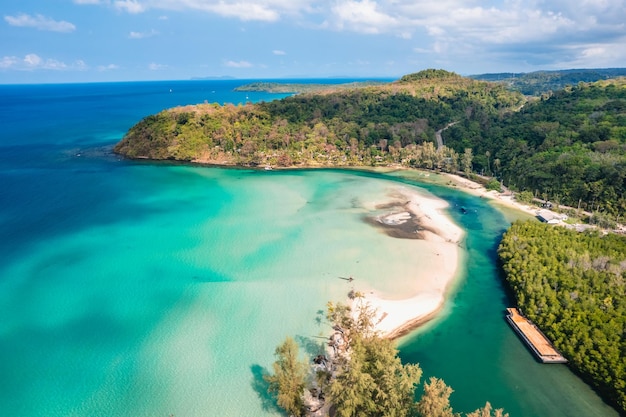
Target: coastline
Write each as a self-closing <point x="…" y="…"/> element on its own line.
<point x="497" y="198"/>
<point x="398" y="317"/>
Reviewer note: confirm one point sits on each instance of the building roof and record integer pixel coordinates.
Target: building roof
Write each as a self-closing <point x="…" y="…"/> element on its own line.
<point x="550" y="216"/>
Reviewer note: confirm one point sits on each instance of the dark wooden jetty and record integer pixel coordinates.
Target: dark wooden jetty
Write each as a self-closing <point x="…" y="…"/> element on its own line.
<point x="534" y="338"/>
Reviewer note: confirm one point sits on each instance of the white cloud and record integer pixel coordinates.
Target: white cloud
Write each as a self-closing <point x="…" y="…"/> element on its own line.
<point x="522" y="33"/>
<point x="110" y="67"/>
<point x="39" y="22"/>
<point x="130" y="6"/>
<point x="238" y="64"/>
<point x="246" y="10"/>
<point x="80" y="65"/>
<point x="442" y="28"/>
<point x="53" y="64"/>
<point x="156" y="67"/>
<point x="142" y="35"/>
<point x="32" y="62"/>
<point x="8" y="61"/>
<point x="362" y="16"/>
<point x="279" y="52"/>
<point x="597" y="55"/>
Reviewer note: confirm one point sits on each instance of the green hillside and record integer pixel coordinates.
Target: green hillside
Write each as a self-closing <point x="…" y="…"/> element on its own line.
<point x="391" y="123"/>
<point x="540" y="82"/>
<point x="569" y="147"/>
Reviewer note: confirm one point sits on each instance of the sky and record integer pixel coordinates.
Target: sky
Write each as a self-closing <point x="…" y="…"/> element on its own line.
<point x="51" y="41"/>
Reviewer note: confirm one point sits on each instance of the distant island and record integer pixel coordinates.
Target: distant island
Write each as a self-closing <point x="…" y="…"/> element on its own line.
<point x="215" y="77"/>
<point x="528" y="83"/>
<point x="539" y="82"/>
<point x="299" y="88"/>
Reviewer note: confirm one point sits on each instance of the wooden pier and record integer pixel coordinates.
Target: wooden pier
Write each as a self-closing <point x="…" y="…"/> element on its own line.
<point x="534" y="338"/>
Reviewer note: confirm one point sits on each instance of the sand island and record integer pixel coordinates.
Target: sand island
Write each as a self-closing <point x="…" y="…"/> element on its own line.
<point x="411" y="214"/>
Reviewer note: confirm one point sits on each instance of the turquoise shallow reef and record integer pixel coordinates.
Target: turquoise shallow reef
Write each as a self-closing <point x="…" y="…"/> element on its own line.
<point x="140" y="289"/>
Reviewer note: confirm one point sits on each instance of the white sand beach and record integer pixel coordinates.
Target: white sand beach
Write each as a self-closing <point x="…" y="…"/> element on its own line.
<point x="498" y="198"/>
<point x="439" y="259"/>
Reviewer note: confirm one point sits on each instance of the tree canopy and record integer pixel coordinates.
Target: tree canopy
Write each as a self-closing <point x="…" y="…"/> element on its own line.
<point x="572" y="285"/>
<point x="359" y="374"/>
<point x="368" y="125"/>
<point x="569" y="147"/>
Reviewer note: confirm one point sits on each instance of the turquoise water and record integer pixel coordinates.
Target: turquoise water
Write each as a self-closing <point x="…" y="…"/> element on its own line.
<point x="138" y="289"/>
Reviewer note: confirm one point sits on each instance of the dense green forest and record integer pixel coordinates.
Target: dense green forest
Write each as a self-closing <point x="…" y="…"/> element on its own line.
<point x="377" y="125"/>
<point x="572" y="285"/>
<point x="568" y="146"/>
<point x="539" y="82"/>
<point x="356" y="374"/>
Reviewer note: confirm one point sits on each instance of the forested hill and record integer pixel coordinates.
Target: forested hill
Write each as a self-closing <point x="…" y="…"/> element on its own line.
<point x="569" y="147"/>
<point x="540" y="82"/>
<point x="395" y="122"/>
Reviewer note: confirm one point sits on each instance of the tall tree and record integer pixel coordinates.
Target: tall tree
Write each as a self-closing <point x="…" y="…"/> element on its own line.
<point x="374" y="382"/>
<point x="288" y="381"/>
<point x="351" y="391"/>
<point x="486" y="411"/>
<point x="466" y="161"/>
<point x="435" y="401"/>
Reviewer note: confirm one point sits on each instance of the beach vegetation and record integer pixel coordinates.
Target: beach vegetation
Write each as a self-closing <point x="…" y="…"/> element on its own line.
<point x="488" y="411"/>
<point x="359" y="374"/>
<point x="493" y="184"/>
<point x="435" y="402"/>
<point x="287" y="382"/>
<point x="525" y="197"/>
<point x="572" y="286"/>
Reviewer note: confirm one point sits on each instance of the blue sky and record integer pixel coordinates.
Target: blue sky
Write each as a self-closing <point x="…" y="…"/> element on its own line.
<point x="125" y="40"/>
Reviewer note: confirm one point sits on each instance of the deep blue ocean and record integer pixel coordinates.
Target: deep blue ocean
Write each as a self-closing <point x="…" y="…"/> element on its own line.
<point x="150" y="289"/>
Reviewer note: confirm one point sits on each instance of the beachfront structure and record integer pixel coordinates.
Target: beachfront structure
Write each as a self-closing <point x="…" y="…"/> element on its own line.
<point x="550" y="217"/>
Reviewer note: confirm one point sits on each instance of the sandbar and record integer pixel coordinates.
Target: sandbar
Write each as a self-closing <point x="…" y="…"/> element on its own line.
<point x="422" y="216"/>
